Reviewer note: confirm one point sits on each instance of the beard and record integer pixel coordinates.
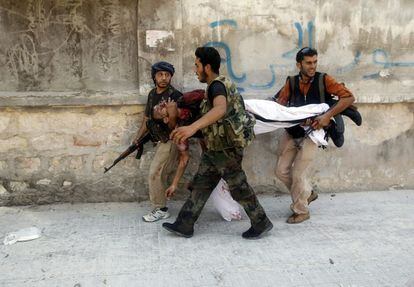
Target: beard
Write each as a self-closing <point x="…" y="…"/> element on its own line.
<point x="162" y="84"/>
<point x="202" y="77"/>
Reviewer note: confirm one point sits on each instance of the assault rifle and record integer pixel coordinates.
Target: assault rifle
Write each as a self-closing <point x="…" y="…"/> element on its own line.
<point x="133" y="147"/>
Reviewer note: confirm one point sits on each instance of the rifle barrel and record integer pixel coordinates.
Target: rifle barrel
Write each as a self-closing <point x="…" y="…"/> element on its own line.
<point x="108" y="168"/>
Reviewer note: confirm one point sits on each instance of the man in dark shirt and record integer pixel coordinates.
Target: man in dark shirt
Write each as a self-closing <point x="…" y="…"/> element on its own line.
<point x="161" y="73"/>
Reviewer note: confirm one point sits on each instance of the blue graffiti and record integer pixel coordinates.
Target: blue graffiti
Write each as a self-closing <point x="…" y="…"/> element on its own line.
<point x="379" y="57"/>
<point x="351" y="66"/>
<point x="386" y="63"/>
<point x="226" y="48"/>
<point x="228" y="59"/>
<point x="311" y="27"/>
<point x="229" y="22"/>
<point x="371" y="76"/>
<point x="310" y="33"/>
<point x="267" y="85"/>
<point x="291" y="54"/>
<point x="242" y="77"/>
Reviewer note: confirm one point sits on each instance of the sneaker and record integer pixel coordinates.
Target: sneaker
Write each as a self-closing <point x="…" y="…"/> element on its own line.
<point x="252" y="233"/>
<point x="298" y="218"/>
<point x="175" y="228"/>
<point x="312" y="197"/>
<point x="156" y="215"/>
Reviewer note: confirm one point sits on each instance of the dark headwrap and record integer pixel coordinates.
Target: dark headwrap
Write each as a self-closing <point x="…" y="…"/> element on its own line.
<point x="162" y="66"/>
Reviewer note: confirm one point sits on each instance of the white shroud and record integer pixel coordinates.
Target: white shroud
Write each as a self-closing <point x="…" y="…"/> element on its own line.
<point x="278" y="116"/>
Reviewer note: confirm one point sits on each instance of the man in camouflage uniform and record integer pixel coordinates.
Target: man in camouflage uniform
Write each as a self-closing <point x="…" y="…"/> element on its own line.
<point x="227" y="129"/>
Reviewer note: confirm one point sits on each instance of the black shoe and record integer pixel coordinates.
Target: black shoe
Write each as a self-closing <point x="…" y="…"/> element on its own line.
<point x="175" y="228"/>
<point x="252" y="233"/>
<point x="353" y="114"/>
<point x="336" y="136"/>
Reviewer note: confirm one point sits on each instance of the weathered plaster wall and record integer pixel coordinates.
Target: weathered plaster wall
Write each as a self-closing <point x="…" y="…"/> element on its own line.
<point x="376" y="156"/>
<point x="367" y="44"/>
<point x="68" y="45"/>
<point x="74" y="76"/>
<point x="55" y="46"/>
<point x="59" y="154"/>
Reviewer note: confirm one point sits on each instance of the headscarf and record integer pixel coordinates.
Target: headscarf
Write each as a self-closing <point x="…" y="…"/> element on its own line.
<point x="162" y="66"/>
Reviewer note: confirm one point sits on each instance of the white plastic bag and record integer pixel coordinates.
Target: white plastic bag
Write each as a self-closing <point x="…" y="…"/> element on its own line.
<point x="223" y="202"/>
<point x="25" y="234"/>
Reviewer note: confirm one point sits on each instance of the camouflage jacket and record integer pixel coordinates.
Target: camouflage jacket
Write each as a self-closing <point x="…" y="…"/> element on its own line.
<point x="235" y="129"/>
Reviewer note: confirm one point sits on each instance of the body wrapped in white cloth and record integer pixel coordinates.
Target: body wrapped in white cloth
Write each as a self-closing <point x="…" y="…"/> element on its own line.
<point x="270" y="116"/>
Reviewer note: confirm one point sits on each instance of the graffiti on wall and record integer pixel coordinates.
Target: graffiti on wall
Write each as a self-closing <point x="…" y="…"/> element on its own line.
<point x="380" y="58"/>
<point x="52" y="39"/>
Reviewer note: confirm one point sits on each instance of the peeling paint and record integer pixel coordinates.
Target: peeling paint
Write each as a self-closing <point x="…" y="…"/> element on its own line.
<point x="155" y="38"/>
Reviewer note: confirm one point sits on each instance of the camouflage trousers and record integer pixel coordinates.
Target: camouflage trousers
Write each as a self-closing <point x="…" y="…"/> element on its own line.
<point x="215" y="165"/>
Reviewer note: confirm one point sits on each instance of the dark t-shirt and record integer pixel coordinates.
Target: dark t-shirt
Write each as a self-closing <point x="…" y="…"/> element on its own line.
<point x="215" y="89"/>
<point x="158" y="98"/>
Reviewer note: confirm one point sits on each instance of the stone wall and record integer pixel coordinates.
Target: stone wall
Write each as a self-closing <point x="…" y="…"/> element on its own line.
<point x="58" y="154"/>
<point x="74" y="76"/>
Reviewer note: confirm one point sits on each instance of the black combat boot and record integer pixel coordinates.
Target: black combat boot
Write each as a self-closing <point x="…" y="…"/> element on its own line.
<point x="253" y="233"/>
<point x="178" y="229"/>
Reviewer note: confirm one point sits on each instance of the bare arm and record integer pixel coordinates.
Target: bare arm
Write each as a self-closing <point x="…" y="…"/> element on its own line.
<point x="284" y="94"/>
<point x="217" y="112"/>
<point x="182" y="164"/>
<point x="323" y="120"/>
<point x="346" y="98"/>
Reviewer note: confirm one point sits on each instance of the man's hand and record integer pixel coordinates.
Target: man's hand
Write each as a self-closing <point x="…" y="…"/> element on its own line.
<point x="171" y="107"/>
<point x="321" y="121"/>
<point x="179" y="135"/>
<point x="307" y="122"/>
<point x="170" y="191"/>
<point x="136" y="140"/>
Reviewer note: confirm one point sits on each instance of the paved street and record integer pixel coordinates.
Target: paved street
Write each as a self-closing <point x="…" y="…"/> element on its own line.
<point x="352" y="239"/>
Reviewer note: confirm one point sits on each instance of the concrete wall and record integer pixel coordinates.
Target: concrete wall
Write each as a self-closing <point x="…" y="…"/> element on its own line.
<point x="74" y="76"/>
<point x="367" y="44"/>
